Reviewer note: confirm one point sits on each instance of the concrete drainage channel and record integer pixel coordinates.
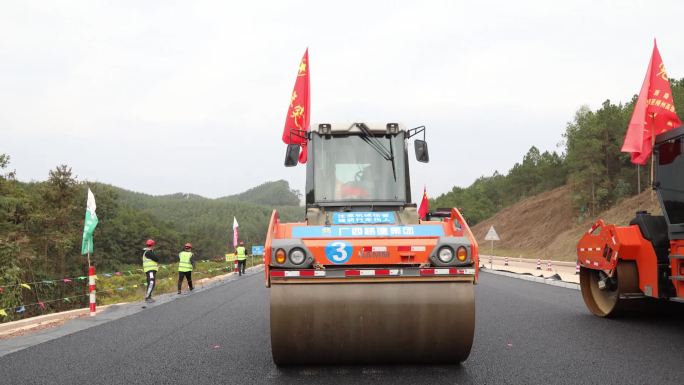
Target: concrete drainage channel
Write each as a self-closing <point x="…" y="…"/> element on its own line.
<point x="74" y="320"/>
<point x="553" y="281"/>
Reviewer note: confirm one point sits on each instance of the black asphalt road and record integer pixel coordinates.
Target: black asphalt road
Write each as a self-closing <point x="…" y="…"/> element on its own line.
<point x="527" y="333"/>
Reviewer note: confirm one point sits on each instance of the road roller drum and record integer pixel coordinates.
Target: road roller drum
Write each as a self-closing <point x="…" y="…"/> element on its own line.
<point x="372" y="323"/>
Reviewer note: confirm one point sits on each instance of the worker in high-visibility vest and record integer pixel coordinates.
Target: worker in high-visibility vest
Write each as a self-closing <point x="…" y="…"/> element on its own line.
<point x="185" y="265"/>
<point x="150" y="263"/>
<point x="241" y="254"/>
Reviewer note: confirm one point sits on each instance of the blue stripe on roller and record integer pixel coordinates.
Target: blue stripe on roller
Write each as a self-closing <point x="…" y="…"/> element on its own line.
<point x="367" y="231"/>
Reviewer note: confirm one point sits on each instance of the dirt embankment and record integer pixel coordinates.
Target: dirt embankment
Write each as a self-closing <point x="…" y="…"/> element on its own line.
<point x="546" y="226"/>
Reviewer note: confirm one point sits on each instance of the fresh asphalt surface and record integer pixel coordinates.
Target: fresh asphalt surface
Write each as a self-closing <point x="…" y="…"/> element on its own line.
<point x="527" y="333"/>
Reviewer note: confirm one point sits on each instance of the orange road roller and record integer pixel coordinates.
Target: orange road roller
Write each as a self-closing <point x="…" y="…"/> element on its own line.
<point x="363" y="280"/>
<point x="623" y="265"/>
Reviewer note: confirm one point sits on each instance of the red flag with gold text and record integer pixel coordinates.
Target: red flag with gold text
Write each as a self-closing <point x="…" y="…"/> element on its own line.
<point x="654" y="112"/>
<point x="424" y="205"/>
<point x="298" y="114"/>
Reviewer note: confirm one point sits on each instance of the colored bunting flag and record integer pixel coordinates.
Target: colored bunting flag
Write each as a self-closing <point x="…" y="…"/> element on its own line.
<point x="654" y="112"/>
<point x="3" y="313"/>
<point x="41" y="305"/>
<point x="66" y="299"/>
<point x="89" y="224"/>
<point x="67" y="280"/>
<point x="21" y="309"/>
<point x="26" y="286"/>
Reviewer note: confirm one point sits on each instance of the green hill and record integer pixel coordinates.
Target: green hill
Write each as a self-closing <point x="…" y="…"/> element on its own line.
<point x="276" y="193"/>
<point x="207" y="223"/>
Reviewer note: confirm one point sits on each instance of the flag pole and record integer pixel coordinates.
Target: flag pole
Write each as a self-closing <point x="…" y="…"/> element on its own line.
<point x="652" y="160"/>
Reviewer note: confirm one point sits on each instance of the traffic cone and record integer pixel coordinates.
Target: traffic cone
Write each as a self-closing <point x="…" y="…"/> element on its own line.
<point x="577" y="268"/>
<point x="506" y="261"/>
<point x="548" y="266"/>
<point x="538" y="264"/>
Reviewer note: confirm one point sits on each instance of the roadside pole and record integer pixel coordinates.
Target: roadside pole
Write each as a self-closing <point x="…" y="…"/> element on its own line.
<point x="91" y="288"/>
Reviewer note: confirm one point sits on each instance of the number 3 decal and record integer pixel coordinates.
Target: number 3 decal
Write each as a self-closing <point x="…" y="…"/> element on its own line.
<point x="338" y="252"/>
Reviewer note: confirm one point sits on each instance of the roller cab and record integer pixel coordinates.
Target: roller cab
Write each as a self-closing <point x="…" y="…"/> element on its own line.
<point x="362" y="279"/>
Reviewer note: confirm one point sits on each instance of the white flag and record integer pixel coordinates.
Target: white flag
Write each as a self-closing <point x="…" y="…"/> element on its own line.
<point x="235" y="232"/>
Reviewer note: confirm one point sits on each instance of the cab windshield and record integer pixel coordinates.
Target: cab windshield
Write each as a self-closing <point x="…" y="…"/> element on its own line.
<point x="669" y="180"/>
<point x="358" y="168"/>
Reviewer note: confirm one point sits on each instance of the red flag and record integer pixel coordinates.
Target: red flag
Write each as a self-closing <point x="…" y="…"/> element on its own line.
<point x="298" y="114"/>
<point x="654" y="112"/>
<point x="424" y="205"/>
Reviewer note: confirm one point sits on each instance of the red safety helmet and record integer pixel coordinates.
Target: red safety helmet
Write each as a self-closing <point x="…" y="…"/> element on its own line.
<point x="188" y="245"/>
<point x="149" y="243"/>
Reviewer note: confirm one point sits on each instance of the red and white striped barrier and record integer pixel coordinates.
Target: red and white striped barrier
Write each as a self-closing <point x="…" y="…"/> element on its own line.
<point x="577" y="268"/>
<point x="538" y="264"/>
<point x="506" y="261"/>
<point x="548" y="266"/>
<point x="370" y="272"/>
<point x="91" y="290"/>
<point x="235" y="266"/>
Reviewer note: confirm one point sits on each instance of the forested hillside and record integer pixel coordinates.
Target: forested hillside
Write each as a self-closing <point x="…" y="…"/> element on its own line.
<point x="546" y="226"/>
<point x="207" y="223"/>
<point x="598" y="174"/>
<point x="41" y="225"/>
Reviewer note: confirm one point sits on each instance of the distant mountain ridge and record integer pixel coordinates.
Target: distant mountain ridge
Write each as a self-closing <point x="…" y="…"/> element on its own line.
<point x="277" y="193"/>
<point x="207" y="223"/>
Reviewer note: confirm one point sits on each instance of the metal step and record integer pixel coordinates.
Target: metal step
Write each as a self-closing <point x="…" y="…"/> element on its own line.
<point x="676" y="256"/>
<point x="677" y="277"/>
<point x="677" y="299"/>
<point x="632" y="295"/>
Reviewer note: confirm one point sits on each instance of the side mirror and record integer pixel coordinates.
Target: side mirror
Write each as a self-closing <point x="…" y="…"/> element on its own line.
<point x="422" y="154"/>
<point x="292" y="155"/>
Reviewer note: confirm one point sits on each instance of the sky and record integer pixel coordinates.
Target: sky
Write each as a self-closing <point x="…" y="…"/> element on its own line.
<point x="191" y="96"/>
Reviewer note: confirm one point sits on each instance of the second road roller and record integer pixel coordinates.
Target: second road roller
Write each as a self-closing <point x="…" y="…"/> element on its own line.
<point x="362" y="279"/>
<point x="621" y="266"/>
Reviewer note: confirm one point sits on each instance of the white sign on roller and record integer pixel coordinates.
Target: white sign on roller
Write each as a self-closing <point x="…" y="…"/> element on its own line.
<point x="492" y="235"/>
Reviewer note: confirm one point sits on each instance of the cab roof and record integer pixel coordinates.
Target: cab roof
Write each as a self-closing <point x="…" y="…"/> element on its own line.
<point x="669" y="135"/>
<point x="353" y="127"/>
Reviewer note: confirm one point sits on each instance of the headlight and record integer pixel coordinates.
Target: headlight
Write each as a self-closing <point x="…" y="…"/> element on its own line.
<point x="297" y="256"/>
<point x="462" y="254"/>
<point x="445" y="254"/>
<point x="280" y="256"/>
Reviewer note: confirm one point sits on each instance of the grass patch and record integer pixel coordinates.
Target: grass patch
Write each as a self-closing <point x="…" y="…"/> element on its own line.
<point x="128" y="285"/>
